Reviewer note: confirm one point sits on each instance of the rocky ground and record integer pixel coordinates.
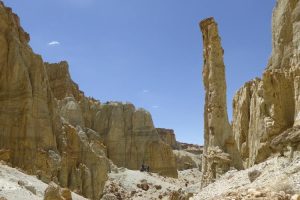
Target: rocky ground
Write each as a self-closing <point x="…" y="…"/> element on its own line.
<point x="15" y="185"/>
<point x="136" y="185"/>
<point x="276" y="179"/>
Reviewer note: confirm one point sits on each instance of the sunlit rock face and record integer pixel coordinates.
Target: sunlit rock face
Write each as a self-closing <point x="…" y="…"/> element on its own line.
<point x="132" y="139"/>
<point x="168" y="136"/>
<point x="33" y="133"/>
<point x="128" y="133"/>
<point x="218" y="137"/>
<point x="265" y="109"/>
<point x="49" y="128"/>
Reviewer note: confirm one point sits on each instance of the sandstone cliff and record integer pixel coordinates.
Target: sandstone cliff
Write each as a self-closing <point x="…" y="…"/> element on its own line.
<point x="128" y="133"/>
<point x="32" y="134"/>
<point x="50" y="129"/>
<point x="264" y="107"/>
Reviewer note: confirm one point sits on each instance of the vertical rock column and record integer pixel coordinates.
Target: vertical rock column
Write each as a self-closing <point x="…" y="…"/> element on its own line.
<point x="218" y="140"/>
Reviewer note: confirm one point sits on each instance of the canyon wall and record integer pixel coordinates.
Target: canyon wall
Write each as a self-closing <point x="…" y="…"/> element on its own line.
<point x="264" y="107"/>
<point x="49" y="128"/>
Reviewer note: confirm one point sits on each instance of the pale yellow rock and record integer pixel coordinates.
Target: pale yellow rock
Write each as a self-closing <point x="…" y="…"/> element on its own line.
<point x="168" y="136"/>
<point x="32" y="134"/>
<point x="217" y="130"/>
<point x="264" y="108"/>
<point x="132" y="140"/>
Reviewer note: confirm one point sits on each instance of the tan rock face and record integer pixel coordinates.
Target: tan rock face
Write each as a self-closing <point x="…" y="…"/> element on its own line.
<point x="217" y="130"/>
<point x="128" y="134"/>
<point x="264" y="110"/>
<point x="60" y="81"/>
<point x="168" y="136"/>
<point x="32" y="135"/>
<point x="49" y="128"/>
<point x="132" y="140"/>
<point x="28" y="119"/>
<point x="54" y="192"/>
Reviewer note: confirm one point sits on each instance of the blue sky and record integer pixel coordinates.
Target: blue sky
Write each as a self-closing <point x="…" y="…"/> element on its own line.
<point x="149" y="52"/>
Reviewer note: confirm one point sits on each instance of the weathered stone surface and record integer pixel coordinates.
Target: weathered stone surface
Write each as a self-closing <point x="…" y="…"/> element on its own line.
<point x="168" y="136"/>
<point x="84" y="166"/>
<point x="133" y="132"/>
<point x="266" y="110"/>
<point x="54" y="192"/>
<point x="217" y="130"/>
<point x="60" y="81"/>
<point x="49" y="128"/>
<point x="285" y="35"/>
<point x="32" y="133"/>
<point x="186" y="160"/>
<point x="28" y="119"/>
<point x="128" y="134"/>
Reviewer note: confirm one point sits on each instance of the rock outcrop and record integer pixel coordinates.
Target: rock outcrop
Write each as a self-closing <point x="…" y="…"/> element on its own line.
<point x="132" y="140"/>
<point x="54" y="192"/>
<point x="168" y="136"/>
<point x="217" y="130"/>
<point x="32" y="134"/>
<point x="266" y="109"/>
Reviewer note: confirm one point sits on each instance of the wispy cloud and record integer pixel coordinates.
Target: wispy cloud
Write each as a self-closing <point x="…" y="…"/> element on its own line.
<point x="54" y="43"/>
<point x="146" y="91"/>
<point x="155" y="106"/>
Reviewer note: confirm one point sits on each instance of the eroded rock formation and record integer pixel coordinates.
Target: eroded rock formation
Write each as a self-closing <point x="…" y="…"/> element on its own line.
<point x="32" y="134"/>
<point x="50" y="129"/>
<point x="264" y="109"/>
<point x="217" y="130"/>
<point x="168" y="136"/>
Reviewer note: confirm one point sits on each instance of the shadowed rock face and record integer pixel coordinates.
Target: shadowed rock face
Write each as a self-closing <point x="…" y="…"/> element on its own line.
<point x="264" y="107"/>
<point x="132" y="139"/>
<point x="217" y="130"/>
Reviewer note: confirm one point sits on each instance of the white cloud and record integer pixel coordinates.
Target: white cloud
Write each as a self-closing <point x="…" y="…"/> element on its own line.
<point x="145" y="91"/>
<point x="155" y="107"/>
<point x="54" y="43"/>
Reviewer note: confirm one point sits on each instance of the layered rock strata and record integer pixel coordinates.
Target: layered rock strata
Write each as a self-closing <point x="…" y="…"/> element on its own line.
<point x="128" y="133"/>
